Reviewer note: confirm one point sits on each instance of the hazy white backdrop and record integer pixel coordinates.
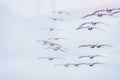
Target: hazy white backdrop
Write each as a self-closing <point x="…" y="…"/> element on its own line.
<point x="21" y="23"/>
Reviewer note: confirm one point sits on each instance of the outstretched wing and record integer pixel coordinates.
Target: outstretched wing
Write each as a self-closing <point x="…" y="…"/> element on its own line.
<point x="97" y="63"/>
<point x="83" y="56"/>
<point x="106" y="45"/>
<point x="82" y="27"/>
<point x="42" y="57"/>
<point x="98" y="56"/>
<point x="87" y="16"/>
<point x="84" y="46"/>
<point x="98" y="11"/>
<point x="98" y="28"/>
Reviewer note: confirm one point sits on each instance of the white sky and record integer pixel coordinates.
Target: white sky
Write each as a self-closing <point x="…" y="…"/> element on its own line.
<point x="21" y="22"/>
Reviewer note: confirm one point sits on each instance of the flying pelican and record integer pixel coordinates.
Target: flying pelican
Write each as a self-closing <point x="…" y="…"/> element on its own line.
<point x="90" y="45"/>
<point x="65" y="65"/>
<point x="107" y="10"/>
<point x="58" y="48"/>
<point x="56" y="38"/>
<point x="93" y="23"/>
<point x="52" y="29"/>
<point x="56" y="19"/>
<point x="91" y="64"/>
<point x="89" y="28"/>
<point x="61" y="12"/>
<point x="99" y="15"/>
<point x="44" y="42"/>
<point x="50" y="58"/>
<point x="91" y="57"/>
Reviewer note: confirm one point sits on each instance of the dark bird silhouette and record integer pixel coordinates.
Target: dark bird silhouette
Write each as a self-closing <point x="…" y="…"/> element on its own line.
<point x="77" y="64"/>
<point x="89" y="28"/>
<point x="100" y="14"/>
<point x="65" y="65"/>
<point x="52" y="29"/>
<point x="58" y="48"/>
<point x="89" y="45"/>
<point x="61" y="12"/>
<point x="56" y="38"/>
<point x="96" y="45"/>
<point x="93" y="23"/>
<point x="50" y="58"/>
<point x="44" y="42"/>
<point x="107" y="10"/>
<point x="91" y="64"/>
<point x="56" y="19"/>
<point x="91" y="56"/>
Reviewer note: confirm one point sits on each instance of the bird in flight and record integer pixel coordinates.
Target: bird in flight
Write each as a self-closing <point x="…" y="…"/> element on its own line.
<point x="107" y="10"/>
<point x="50" y="58"/>
<point x="96" y="45"/>
<point x="89" y="28"/>
<point x="89" y="45"/>
<point x="44" y="42"/>
<point x="65" y="65"/>
<point x="91" y="56"/>
<point x="91" y="64"/>
<point x="92" y="23"/>
<point x="61" y="12"/>
<point x="56" y="19"/>
<point x="52" y="29"/>
<point x="56" y="38"/>
<point x="100" y="14"/>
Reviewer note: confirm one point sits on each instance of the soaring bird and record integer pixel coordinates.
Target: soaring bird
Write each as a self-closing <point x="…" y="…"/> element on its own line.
<point x="93" y="23"/>
<point x="44" y="42"/>
<point x="89" y="45"/>
<point x="107" y="10"/>
<point x="52" y="29"/>
<point x="56" y="19"/>
<point x="91" y="56"/>
<point x="56" y="38"/>
<point x="61" y="12"/>
<point x="89" y="28"/>
<point x="99" y="15"/>
<point x="91" y="64"/>
<point x="65" y="65"/>
<point x="50" y="58"/>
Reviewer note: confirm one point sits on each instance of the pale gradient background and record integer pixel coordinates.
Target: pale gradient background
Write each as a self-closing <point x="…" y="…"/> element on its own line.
<point x="21" y="23"/>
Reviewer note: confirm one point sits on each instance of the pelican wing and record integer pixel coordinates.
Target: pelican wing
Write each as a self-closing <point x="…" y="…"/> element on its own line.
<point x="98" y="56"/>
<point x="98" y="28"/>
<point x="42" y="57"/>
<point x="87" y="16"/>
<point x="83" y="56"/>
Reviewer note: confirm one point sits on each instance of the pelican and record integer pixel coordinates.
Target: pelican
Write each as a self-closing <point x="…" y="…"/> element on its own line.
<point x="44" y="42"/>
<point x="90" y="45"/>
<point x="50" y="58"/>
<point x="91" y="64"/>
<point x="107" y="10"/>
<point x="65" y="65"/>
<point x="99" y="15"/>
<point x="89" y="28"/>
<point x="56" y="38"/>
<point x="91" y="56"/>
<point x="56" y="19"/>
<point x="93" y="23"/>
<point x="52" y="29"/>
<point x="61" y="12"/>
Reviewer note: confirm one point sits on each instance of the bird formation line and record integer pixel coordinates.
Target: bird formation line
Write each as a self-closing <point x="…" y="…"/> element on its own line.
<point x="90" y="25"/>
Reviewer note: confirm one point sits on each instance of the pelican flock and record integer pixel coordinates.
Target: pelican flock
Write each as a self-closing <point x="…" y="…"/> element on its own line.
<point x="54" y="45"/>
